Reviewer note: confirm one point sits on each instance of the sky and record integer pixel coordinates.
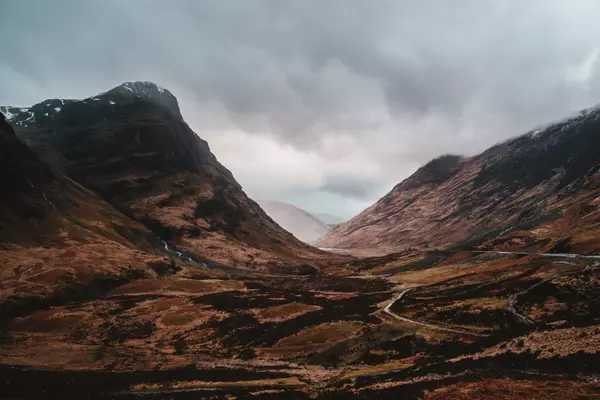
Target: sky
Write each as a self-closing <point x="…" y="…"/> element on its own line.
<point x="325" y="104"/>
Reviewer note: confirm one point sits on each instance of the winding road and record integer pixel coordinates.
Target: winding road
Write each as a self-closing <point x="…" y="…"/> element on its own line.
<point x="511" y="304"/>
<point x="440" y="328"/>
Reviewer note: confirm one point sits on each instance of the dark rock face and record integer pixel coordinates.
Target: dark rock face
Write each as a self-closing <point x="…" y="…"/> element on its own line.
<point x="123" y="122"/>
<point x="98" y="141"/>
<point x="23" y="178"/>
<point x="146" y="91"/>
<point x="132" y="147"/>
<point x="517" y="185"/>
<point x="20" y="168"/>
<point x="37" y="202"/>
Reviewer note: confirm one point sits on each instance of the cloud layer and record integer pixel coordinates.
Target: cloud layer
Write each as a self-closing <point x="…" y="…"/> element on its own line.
<point x="326" y="104"/>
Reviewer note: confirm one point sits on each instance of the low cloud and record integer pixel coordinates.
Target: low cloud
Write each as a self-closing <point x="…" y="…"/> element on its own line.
<point x="327" y="104"/>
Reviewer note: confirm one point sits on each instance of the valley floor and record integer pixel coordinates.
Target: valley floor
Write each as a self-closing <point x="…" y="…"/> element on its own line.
<point x="427" y="325"/>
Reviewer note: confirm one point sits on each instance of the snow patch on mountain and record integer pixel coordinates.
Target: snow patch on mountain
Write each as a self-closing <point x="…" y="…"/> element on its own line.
<point x="127" y="91"/>
<point x="7" y="114"/>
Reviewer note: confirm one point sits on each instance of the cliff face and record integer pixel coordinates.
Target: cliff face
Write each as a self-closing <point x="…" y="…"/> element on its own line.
<point x="132" y="147"/>
<point x="508" y="194"/>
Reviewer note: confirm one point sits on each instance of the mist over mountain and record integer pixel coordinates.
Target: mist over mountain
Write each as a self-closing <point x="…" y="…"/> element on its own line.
<point x="301" y="223"/>
<point x="329" y="219"/>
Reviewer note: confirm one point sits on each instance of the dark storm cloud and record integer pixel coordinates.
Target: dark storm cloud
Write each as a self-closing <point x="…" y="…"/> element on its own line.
<point x="393" y="83"/>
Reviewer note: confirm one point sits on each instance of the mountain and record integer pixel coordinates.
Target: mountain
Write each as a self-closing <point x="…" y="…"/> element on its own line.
<point x="539" y="189"/>
<point x="131" y="146"/>
<point x="58" y="240"/>
<point x="329" y="219"/>
<point x="301" y="223"/>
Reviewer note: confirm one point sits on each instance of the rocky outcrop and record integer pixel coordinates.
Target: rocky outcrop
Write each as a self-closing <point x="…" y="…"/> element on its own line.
<point x="511" y="192"/>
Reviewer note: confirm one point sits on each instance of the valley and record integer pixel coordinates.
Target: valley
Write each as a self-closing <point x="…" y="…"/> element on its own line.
<point x="413" y="325"/>
<point x="133" y="265"/>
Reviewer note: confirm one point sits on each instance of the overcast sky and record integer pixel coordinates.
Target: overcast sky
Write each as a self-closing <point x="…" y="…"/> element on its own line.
<point x="325" y="104"/>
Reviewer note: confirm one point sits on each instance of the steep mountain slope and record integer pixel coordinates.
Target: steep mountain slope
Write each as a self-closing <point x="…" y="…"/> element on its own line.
<point x="58" y="240"/>
<point x="132" y="147"/>
<point x="520" y="193"/>
<point x="301" y="223"/>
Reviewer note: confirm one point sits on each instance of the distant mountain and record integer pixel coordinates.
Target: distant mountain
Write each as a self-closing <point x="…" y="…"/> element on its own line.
<point x="537" y="190"/>
<point x="131" y="146"/>
<point x="329" y="219"/>
<point x="301" y="223"/>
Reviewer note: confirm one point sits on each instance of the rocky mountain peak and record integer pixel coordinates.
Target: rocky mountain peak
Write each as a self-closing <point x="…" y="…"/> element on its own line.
<point x="125" y="93"/>
<point x="144" y="90"/>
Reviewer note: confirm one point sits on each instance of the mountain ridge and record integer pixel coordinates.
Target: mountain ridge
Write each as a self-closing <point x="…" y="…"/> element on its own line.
<point x="516" y="185"/>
